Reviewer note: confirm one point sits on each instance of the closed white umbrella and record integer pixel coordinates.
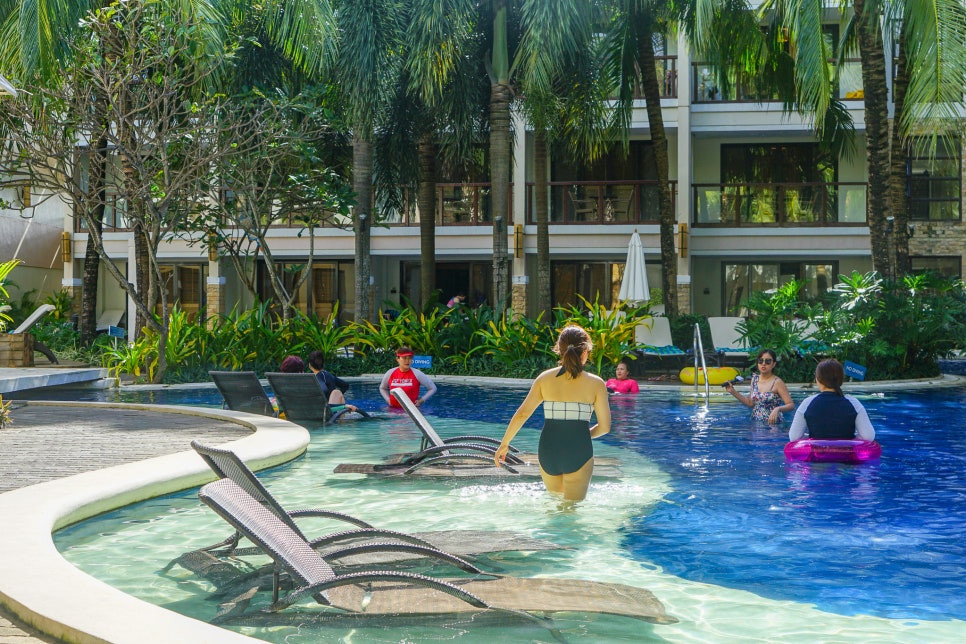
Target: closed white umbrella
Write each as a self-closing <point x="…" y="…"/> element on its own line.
<point x="634" y="287"/>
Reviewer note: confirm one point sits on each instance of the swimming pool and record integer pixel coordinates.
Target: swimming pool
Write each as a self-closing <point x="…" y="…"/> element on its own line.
<point x="735" y="542"/>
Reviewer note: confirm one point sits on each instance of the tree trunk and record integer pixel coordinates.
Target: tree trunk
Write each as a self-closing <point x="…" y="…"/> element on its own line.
<point x="362" y="185"/>
<point x="655" y="119"/>
<point x="877" y="136"/>
<point x="541" y="202"/>
<point x="92" y="257"/>
<point x="427" y="219"/>
<point x="143" y="279"/>
<point x="500" y="156"/>
<point x="898" y="180"/>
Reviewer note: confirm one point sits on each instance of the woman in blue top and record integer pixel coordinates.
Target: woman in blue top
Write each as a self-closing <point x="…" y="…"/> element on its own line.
<point x="831" y="414"/>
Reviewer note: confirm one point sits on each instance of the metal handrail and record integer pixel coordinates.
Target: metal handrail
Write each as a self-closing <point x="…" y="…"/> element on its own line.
<point x="698" y="347"/>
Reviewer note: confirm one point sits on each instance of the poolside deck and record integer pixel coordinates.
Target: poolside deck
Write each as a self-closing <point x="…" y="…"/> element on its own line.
<point x="51" y="441"/>
<point x="12" y="380"/>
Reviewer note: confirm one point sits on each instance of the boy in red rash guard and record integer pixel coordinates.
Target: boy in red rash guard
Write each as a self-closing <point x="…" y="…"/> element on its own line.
<point x="406" y="378"/>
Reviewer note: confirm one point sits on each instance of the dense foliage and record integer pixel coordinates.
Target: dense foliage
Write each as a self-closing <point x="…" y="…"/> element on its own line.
<point x="895" y="329"/>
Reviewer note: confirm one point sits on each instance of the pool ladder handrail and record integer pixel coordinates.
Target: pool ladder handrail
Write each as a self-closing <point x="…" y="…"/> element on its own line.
<point x="698" y="349"/>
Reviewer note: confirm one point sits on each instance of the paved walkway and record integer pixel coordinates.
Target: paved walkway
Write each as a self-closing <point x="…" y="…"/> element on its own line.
<point x="49" y="442"/>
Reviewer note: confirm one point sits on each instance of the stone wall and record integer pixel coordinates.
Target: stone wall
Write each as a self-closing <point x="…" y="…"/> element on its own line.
<point x="16" y="350"/>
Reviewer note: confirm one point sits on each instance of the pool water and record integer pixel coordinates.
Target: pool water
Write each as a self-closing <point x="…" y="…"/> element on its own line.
<point x="738" y="544"/>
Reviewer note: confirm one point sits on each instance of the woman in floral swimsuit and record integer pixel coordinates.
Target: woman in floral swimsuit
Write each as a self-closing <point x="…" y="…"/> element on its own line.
<point x="769" y="396"/>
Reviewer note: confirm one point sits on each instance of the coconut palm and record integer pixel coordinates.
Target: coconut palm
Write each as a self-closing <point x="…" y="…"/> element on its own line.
<point x="927" y="89"/>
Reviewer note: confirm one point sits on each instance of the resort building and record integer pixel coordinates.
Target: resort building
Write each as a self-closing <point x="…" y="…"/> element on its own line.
<point x="756" y="204"/>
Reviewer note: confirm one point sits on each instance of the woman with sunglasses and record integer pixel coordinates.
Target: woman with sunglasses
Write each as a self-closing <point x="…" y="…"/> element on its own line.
<point x="768" y="396"/>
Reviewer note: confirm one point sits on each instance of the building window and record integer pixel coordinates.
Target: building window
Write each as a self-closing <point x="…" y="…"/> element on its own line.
<point x="184" y="287"/>
<point x="935" y="184"/>
<point x="743" y="280"/>
<point x="328" y="284"/>
<point x="775" y="183"/>
<point x="951" y="266"/>
<point x="593" y="281"/>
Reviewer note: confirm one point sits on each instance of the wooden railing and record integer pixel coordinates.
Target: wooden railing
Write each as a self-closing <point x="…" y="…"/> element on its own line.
<point x="601" y="202"/>
<point x="779" y="204"/>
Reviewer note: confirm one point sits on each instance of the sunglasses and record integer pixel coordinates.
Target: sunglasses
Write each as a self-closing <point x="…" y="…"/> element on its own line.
<point x="765" y="361"/>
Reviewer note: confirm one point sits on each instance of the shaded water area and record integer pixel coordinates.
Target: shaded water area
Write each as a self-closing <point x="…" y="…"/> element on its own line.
<point x="737" y="543"/>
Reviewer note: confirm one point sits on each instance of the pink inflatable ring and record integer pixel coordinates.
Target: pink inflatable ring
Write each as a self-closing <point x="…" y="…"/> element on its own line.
<point x="833" y="451"/>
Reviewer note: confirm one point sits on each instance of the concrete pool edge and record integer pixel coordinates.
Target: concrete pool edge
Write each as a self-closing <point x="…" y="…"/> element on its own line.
<point x="44" y="590"/>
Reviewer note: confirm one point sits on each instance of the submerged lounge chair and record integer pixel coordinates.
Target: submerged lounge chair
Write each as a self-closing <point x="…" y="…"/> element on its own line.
<point x="242" y="391"/>
<point x="456" y="456"/>
<point x="227" y="465"/>
<point x="380" y="592"/>
<point x="303" y="399"/>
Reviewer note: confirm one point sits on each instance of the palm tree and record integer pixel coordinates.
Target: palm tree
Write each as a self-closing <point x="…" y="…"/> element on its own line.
<point x="928" y="90"/>
<point x="368" y="62"/>
<point x="566" y="98"/>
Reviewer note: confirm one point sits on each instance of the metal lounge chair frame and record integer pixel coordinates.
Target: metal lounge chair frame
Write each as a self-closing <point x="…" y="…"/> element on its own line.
<point x="227" y="465"/>
<point x="276" y="538"/>
<point x="303" y="399"/>
<point x="434" y="449"/>
<point x="243" y="392"/>
<point x="353" y="594"/>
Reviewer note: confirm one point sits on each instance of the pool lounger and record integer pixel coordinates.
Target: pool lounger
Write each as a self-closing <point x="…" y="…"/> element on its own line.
<point x="368" y="593"/>
<point x="227" y="465"/>
<point x="303" y="399"/>
<point x="242" y="391"/>
<point x="457" y="454"/>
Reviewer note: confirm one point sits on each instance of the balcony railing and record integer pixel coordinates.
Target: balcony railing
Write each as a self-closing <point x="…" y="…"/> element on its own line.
<point x="780" y="204"/>
<point x="704" y="85"/>
<point x="667" y="77"/>
<point x="457" y="204"/>
<point x="601" y="202"/>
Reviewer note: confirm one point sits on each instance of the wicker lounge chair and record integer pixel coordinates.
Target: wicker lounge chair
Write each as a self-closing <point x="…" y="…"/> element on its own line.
<point x="242" y="391"/>
<point x="377" y="592"/>
<point x="303" y="399"/>
<point x="468" y="456"/>
<point x="227" y="465"/>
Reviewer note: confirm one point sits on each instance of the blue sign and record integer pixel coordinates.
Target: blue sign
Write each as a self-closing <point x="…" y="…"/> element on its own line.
<point x="116" y="332"/>
<point x="856" y="371"/>
<point x="423" y="362"/>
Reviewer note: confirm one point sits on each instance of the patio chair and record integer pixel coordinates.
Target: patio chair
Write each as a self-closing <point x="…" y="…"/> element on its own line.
<point x="655" y="334"/>
<point x="107" y="319"/>
<point x="38" y="314"/>
<point x="303" y="399"/>
<point x="227" y="465"/>
<point x="728" y="344"/>
<point x="242" y="391"/>
<point x="371" y="592"/>
<point x="458" y="455"/>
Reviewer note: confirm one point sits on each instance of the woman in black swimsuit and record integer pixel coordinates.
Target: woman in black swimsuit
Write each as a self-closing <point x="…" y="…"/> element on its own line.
<point x="569" y="398"/>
